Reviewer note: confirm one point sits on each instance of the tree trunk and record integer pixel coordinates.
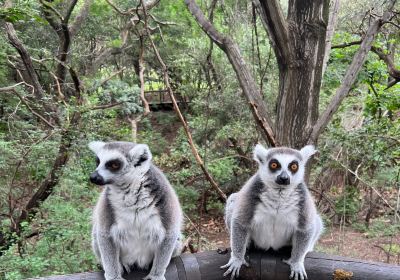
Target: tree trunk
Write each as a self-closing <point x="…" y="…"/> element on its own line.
<point x="300" y="73"/>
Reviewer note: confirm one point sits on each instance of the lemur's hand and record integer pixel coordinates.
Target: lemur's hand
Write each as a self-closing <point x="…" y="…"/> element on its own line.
<point x="234" y="266"/>
<point x="297" y="269"/>
<point x="153" y="277"/>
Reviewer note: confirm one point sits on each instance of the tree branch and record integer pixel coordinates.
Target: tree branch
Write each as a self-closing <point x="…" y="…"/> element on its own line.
<point x="70" y="8"/>
<point x="351" y="74"/>
<point x="34" y="83"/>
<point x="63" y="32"/>
<point x="330" y="30"/>
<point x="393" y="71"/>
<point x="141" y="79"/>
<point x="345" y="45"/>
<point x="106" y="106"/>
<point x="243" y="73"/>
<point x="178" y="112"/>
<point x="80" y="18"/>
<point x="13" y="90"/>
<point x="274" y="22"/>
<point x="26" y="59"/>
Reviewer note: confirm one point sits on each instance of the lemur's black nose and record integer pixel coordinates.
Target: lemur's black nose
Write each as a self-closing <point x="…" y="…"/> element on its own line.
<point x="95" y="178"/>
<point x="283" y="179"/>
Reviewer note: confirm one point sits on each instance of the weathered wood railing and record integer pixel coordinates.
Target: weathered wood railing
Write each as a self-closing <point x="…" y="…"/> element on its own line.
<point x="263" y="266"/>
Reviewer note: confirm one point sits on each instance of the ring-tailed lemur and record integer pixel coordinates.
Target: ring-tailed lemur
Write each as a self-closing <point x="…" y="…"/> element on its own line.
<point x="138" y="218"/>
<point x="274" y="209"/>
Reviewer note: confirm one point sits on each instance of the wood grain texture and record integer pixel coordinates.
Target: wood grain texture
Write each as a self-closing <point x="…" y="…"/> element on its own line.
<point x="263" y="265"/>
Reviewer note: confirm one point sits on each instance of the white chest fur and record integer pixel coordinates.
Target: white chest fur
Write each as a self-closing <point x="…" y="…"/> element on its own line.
<point x="274" y="222"/>
<point x="138" y="229"/>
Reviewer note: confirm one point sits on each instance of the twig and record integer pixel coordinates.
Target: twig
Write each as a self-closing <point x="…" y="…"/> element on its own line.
<point x="178" y="111"/>
<point x="106" y="106"/>
<point x="111" y="76"/>
<point x="141" y="78"/>
<point x="368" y="185"/>
<point x="12" y="89"/>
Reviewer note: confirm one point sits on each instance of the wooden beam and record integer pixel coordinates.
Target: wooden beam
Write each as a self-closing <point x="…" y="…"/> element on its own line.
<point x="263" y="266"/>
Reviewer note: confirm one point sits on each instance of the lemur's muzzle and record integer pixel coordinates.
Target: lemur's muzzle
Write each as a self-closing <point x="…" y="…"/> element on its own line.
<point x="97" y="179"/>
<point x="283" y="179"/>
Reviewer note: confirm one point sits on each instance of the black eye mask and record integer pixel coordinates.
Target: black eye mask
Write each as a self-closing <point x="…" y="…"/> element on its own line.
<point x="293" y="166"/>
<point x="114" y="165"/>
<point x="274" y="165"/>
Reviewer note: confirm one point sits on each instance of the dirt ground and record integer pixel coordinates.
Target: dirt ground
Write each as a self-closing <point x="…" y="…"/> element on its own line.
<point x="346" y="242"/>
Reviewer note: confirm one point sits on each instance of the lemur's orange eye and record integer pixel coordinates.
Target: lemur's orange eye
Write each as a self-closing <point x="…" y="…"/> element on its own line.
<point x="274" y="165"/>
<point x="294" y="167"/>
<point x="114" y="165"/>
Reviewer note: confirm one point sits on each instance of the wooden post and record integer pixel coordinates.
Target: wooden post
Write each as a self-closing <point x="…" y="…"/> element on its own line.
<point x="263" y="266"/>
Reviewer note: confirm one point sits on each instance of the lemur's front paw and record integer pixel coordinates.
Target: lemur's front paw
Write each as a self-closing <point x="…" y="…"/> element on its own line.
<point x="234" y="266"/>
<point x="154" y="277"/>
<point x="297" y="269"/>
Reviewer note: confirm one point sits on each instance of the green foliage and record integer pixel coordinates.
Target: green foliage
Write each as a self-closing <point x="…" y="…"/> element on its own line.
<point x="115" y="91"/>
<point x="380" y="227"/>
<point x="61" y="240"/>
<point x="348" y="204"/>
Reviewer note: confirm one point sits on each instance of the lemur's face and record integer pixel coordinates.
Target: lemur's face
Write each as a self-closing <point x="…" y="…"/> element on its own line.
<point x="118" y="162"/>
<point x="282" y="167"/>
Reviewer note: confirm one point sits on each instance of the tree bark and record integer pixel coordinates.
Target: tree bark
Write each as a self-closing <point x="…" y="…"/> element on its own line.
<point x="263" y="265"/>
<point x="333" y="15"/>
<point x="300" y="59"/>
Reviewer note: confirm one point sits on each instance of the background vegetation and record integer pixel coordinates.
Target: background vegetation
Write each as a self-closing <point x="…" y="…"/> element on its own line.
<point x="89" y="88"/>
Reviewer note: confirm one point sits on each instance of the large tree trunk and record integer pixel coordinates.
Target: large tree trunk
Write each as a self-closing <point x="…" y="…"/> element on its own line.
<point x="300" y="53"/>
<point x="299" y="43"/>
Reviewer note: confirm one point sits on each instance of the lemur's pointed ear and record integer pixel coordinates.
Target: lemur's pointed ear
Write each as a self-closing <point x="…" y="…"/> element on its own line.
<point x="140" y="154"/>
<point x="96" y="146"/>
<point x="260" y="154"/>
<point x="307" y="152"/>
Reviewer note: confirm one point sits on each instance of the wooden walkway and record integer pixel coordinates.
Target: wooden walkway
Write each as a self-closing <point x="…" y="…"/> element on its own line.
<point x="161" y="100"/>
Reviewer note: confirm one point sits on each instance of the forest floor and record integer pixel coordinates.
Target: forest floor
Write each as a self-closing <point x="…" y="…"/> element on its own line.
<point x="347" y="242"/>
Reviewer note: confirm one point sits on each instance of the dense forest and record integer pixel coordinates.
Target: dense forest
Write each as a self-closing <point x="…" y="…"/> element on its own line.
<point x="200" y="82"/>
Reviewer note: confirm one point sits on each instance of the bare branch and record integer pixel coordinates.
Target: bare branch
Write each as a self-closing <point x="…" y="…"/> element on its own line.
<point x="149" y="5"/>
<point x="14" y="91"/>
<point x="70" y="8"/>
<point x="141" y="78"/>
<point x="10" y="88"/>
<point x="351" y="74"/>
<point x="103" y="82"/>
<point x="162" y="22"/>
<point x="345" y="45"/>
<point x="355" y="173"/>
<point x="26" y="59"/>
<point x="330" y="30"/>
<point x="243" y="73"/>
<point x="274" y="22"/>
<point x="80" y="18"/>
<point x="106" y="106"/>
<point x="393" y="71"/>
<point x="49" y="6"/>
<point x="178" y="112"/>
